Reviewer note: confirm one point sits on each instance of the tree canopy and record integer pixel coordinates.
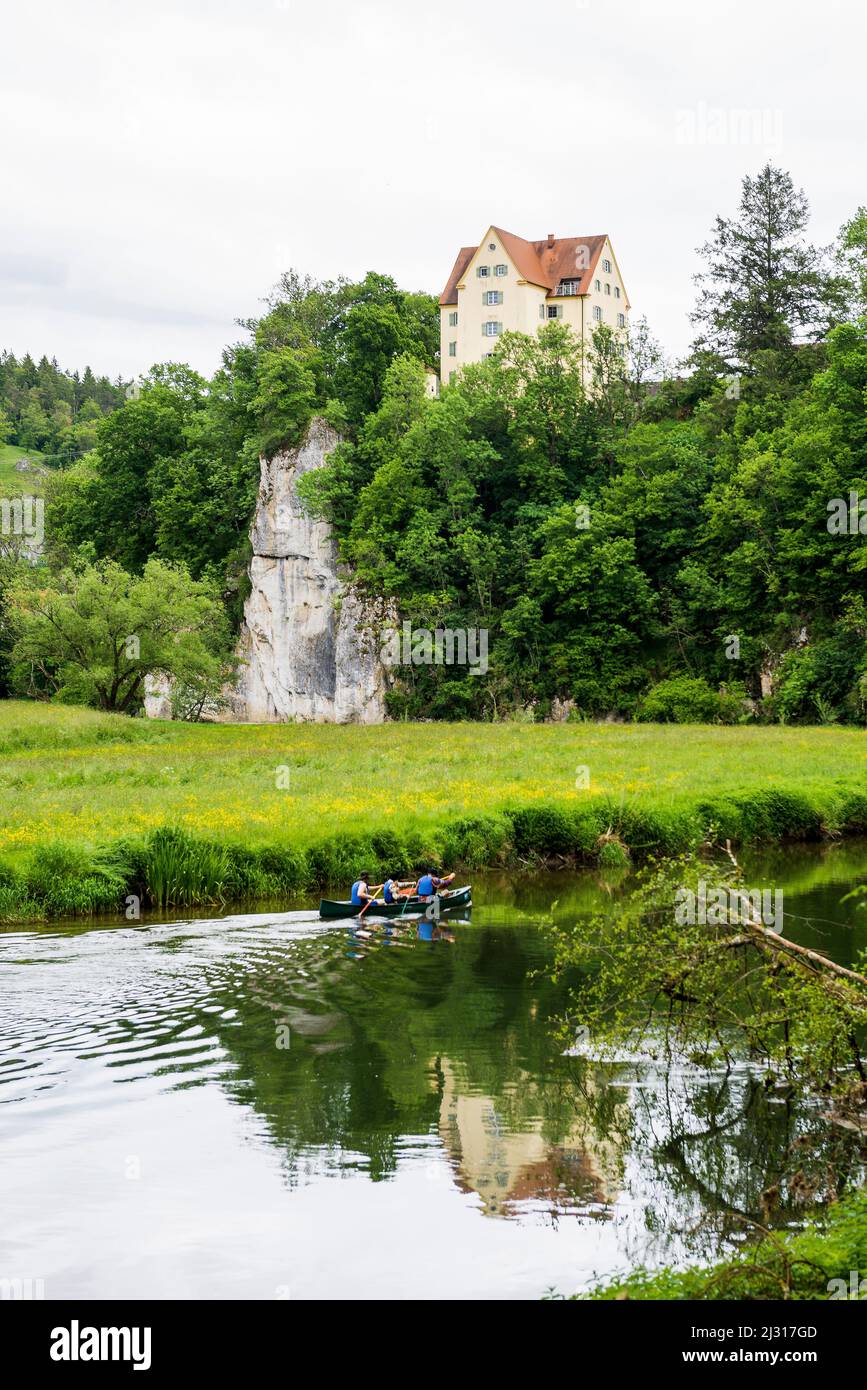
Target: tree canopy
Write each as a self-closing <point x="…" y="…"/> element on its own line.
<point x="614" y="524"/>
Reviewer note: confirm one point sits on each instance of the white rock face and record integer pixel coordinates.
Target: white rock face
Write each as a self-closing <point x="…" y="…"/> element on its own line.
<point x="304" y="652"/>
<point x="158" y="697"/>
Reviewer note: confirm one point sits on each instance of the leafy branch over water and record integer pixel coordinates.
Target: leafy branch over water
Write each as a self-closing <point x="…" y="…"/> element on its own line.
<point x="718" y="986"/>
<point x="722" y="989"/>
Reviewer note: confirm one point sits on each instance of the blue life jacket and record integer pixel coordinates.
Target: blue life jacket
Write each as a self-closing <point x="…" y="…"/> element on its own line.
<point x="358" y="887"/>
<point x="388" y="891"/>
<point x="425" y="886"/>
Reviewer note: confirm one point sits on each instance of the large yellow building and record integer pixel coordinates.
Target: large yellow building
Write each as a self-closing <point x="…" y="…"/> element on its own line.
<point x="507" y="284"/>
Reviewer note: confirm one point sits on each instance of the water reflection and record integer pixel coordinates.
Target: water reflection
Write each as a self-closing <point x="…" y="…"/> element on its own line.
<point x="407" y="1058"/>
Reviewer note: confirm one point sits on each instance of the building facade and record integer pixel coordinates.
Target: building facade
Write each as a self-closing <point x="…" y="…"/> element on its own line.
<point x="507" y="284"/>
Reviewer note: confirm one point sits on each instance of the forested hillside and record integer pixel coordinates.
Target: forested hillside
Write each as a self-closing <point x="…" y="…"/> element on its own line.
<point x="45" y="410"/>
<point x="663" y="543"/>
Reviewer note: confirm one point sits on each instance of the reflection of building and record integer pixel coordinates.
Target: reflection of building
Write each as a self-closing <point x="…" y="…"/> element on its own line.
<point x="506" y="1165"/>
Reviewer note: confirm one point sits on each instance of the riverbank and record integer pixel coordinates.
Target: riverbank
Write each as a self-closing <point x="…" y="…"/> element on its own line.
<point x="825" y="1260"/>
<point x="99" y="807"/>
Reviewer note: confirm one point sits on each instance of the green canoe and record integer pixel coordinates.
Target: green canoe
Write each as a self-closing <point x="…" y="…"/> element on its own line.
<point x="457" y="897"/>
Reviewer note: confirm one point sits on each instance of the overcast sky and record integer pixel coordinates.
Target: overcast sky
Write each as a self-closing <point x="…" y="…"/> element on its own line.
<point x="163" y="162"/>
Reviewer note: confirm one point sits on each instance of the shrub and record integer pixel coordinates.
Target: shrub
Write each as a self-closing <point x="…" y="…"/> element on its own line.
<point x="68" y="880"/>
<point x="851" y="815"/>
<point x="690" y="700"/>
<point x="180" y="870"/>
<point x="800" y="1265"/>
<point x="340" y="859"/>
<point x="15" y="906"/>
<point x="820" y="682"/>
<point x="477" y="841"/>
<point x="539" y="830"/>
<point x="777" y="815"/>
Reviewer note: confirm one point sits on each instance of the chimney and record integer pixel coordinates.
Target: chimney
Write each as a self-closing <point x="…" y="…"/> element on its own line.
<point x="550" y="238"/>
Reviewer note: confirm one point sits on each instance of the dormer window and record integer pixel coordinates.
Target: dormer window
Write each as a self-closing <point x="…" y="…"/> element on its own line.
<point x="567" y="287"/>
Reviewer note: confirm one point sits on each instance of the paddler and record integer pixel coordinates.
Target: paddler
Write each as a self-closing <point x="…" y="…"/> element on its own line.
<point x="361" y="895"/>
<point x="431" y="883"/>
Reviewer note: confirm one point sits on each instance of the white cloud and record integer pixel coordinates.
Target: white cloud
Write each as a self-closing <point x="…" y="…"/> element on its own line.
<point x="164" y="162"/>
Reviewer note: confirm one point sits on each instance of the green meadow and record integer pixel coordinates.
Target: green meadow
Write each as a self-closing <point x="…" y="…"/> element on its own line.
<point x="14" y="483"/>
<point x="197" y="813"/>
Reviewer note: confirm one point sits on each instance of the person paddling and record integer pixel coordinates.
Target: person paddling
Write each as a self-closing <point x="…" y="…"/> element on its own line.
<point x="361" y="895"/>
<point x="430" y="883"/>
<point x="391" y="890"/>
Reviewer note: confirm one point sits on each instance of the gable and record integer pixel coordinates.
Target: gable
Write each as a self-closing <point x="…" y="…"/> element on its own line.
<point x="538" y="262"/>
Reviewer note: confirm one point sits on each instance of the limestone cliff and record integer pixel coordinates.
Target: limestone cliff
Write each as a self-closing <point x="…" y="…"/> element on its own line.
<point x="304" y="652"/>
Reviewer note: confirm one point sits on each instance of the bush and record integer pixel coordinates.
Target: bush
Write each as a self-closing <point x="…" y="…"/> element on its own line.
<point x="69" y="881"/>
<point x="539" y="830"/>
<point x="690" y="700"/>
<point x="266" y="871"/>
<point x="802" y="1264"/>
<point x="340" y="859"/>
<point x="477" y="841"/>
<point x="821" y="682"/>
<point x="180" y="870"/>
<point x="15" y="906"/>
<point x="778" y="815"/>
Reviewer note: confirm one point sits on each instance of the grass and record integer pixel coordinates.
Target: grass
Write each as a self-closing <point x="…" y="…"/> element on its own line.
<point x="282" y="807"/>
<point x="13" y="483"/>
<point x="793" y="1265"/>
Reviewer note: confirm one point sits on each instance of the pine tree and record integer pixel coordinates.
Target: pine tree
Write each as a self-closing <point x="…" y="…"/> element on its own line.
<point x="764" y="287"/>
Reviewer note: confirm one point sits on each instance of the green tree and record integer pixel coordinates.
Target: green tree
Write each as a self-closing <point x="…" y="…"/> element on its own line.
<point x="289" y="387"/>
<point x="94" y="635"/>
<point x="852" y="259"/>
<point x="764" y="287"/>
<point x="597" y="611"/>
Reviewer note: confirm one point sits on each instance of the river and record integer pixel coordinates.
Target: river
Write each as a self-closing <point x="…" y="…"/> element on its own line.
<point x="266" y="1106"/>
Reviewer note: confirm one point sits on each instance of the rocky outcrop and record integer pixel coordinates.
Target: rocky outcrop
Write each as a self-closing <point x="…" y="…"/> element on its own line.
<point x="307" y="649"/>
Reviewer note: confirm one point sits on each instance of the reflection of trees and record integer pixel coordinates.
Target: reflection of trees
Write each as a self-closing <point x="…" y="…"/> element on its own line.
<point x="707" y="1158"/>
<point x="369" y="1019"/>
<point x="456" y="1044"/>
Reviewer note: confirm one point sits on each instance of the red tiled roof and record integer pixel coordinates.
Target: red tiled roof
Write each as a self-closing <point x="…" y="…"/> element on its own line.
<point x="544" y="264"/>
<point x="450" y="293"/>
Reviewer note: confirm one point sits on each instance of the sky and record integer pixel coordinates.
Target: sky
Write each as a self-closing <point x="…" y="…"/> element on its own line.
<point x="162" y="163"/>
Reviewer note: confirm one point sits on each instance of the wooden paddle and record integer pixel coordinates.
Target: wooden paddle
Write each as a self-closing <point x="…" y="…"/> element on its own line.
<point x="372" y="899"/>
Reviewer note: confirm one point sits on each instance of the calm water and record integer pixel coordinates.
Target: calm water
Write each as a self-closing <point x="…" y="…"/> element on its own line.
<point x="422" y="1132"/>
